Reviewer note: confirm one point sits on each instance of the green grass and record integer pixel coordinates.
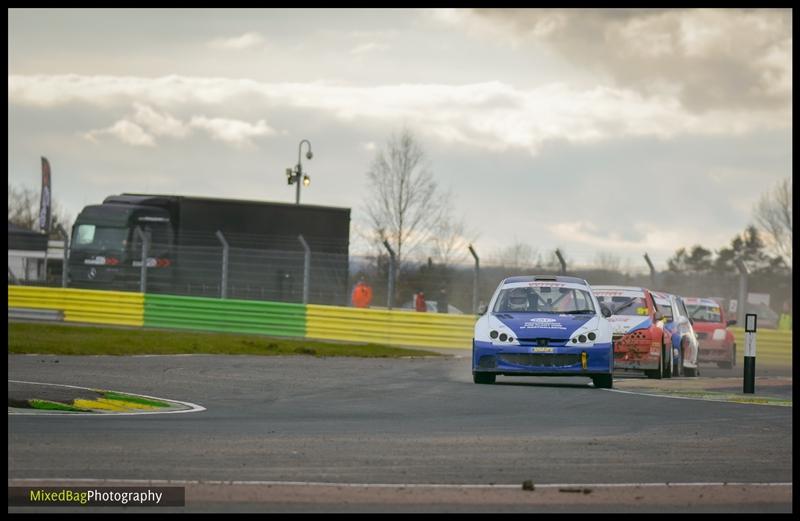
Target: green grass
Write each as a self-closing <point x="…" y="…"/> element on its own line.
<point x="46" y="405"/>
<point x="29" y="338"/>
<point x="133" y="399"/>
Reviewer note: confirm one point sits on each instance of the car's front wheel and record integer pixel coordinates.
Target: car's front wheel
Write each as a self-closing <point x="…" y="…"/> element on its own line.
<point x="603" y="381"/>
<point x="483" y="378"/>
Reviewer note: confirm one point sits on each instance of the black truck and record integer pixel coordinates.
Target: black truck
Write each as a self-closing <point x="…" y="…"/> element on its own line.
<point x="185" y="254"/>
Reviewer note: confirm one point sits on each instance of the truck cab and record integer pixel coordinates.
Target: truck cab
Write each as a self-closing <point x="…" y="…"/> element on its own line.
<point x="106" y="249"/>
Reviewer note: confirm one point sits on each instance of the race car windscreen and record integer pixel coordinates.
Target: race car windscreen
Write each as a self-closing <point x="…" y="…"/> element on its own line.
<point x="544" y="299"/>
<point x="624" y="305"/>
<point x="705" y="313"/>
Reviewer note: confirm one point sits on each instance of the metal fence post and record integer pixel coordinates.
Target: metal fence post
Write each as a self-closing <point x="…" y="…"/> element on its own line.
<point x="561" y="261"/>
<point x="145" y="248"/>
<point x="742" y="290"/>
<point x="652" y="270"/>
<point x="390" y="296"/>
<point x="225" y="249"/>
<point x="65" y="265"/>
<point x="306" y="268"/>
<point x="475" y="280"/>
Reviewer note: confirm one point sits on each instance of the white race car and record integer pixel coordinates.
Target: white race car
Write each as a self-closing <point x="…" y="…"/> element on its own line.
<point x="543" y="326"/>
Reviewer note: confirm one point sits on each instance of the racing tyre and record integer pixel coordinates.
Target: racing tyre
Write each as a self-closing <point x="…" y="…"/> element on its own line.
<point x="668" y="370"/>
<point x="658" y="374"/>
<point x="483" y="378"/>
<point x="690" y="371"/>
<point x="603" y="381"/>
<point x="679" y="369"/>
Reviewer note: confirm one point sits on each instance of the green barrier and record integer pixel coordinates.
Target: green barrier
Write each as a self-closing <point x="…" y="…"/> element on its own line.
<point x="225" y="316"/>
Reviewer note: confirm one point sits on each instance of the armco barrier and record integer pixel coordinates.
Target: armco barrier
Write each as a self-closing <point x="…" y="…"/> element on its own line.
<point x="227" y="316"/>
<point x="400" y="328"/>
<point x="81" y="305"/>
<point x="772" y="345"/>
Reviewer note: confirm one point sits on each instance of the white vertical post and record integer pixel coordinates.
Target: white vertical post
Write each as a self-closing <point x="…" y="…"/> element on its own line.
<point x="750" y="322"/>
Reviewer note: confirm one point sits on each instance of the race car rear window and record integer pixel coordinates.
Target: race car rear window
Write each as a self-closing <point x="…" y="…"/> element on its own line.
<point x="705" y="313"/>
<point x="620" y="305"/>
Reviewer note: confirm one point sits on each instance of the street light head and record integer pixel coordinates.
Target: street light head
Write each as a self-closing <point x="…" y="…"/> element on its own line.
<point x="306" y="180"/>
<point x="309" y="155"/>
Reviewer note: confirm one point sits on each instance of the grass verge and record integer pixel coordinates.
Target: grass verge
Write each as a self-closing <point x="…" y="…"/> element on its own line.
<point x="132" y="399"/>
<point x="56" y="339"/>
<point x="46" y="405"/>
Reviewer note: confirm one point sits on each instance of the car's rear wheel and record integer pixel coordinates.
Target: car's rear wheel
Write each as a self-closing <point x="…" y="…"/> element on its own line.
<point x="603" y="381"/>
<point x="679" y="369"/>
<point x="483" y="378"/>
<point x="658" y="374"/>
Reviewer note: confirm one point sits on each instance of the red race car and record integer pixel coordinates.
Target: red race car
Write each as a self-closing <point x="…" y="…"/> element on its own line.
<point x="640" y="341"/>
<point x="717" y="344"/>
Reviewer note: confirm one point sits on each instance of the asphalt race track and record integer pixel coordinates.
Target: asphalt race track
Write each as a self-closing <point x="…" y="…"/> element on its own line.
<point x="397" y="421"/>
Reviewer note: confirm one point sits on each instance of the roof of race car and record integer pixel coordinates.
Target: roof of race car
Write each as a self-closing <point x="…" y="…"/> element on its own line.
<point x="703" y="301"/>
<point x="545" y="278"/>
<point x="618" y="288"/>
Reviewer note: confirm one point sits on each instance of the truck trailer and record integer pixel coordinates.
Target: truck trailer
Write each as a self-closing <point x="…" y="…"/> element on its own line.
<point x="185" y="252"/>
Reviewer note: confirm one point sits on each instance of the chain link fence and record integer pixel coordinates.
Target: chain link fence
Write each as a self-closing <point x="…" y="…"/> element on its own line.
<point x="274" y="269"/>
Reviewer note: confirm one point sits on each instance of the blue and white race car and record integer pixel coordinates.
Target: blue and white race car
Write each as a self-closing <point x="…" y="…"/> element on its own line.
<point x="543" y="326"/>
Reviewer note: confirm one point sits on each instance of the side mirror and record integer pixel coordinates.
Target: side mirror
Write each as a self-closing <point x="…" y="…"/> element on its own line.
<point x="731" y="323"/>
<point x="605" y="311"/>
<point x="482" y="309"/>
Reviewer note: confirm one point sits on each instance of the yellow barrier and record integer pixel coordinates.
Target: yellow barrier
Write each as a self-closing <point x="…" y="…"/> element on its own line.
<point x="399" y="328"/>
<point x="81" y="305"/>
<point x="772" y="345"/>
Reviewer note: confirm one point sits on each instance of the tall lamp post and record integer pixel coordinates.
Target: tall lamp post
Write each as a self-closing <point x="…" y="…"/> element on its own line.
<point x="296" y="175"/>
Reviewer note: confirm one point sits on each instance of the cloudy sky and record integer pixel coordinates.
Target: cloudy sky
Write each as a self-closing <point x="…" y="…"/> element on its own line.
<point x="593" y="131"/>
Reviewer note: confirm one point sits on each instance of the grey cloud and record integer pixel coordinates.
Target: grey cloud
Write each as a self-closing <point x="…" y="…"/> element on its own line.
<point x="709" y="59"/>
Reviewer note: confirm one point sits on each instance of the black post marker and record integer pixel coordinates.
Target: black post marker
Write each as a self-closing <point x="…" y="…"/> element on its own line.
<point x="750" y="353"/>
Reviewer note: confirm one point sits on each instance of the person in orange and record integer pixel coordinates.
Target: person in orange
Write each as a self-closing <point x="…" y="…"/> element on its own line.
<point x="362" y="294"/>
<point x="419" y="302"/>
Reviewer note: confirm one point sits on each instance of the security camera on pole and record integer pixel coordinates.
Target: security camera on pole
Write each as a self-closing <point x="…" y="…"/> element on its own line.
<point x="296" y="175"/>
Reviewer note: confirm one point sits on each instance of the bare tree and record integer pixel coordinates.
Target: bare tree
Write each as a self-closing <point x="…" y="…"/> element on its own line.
<point x="605" y="260"/>
<point x="23" y="209"/>
<point x="450" y="238"/>
<point x="517" y="256"/>
<point x="404" y="205"/>
<point x="773" y="214"/>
